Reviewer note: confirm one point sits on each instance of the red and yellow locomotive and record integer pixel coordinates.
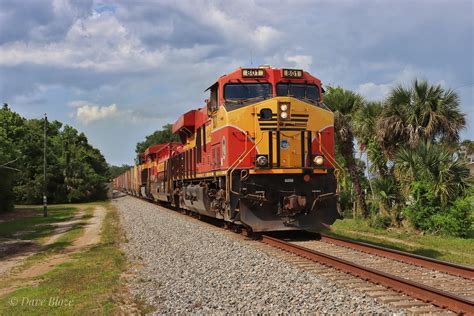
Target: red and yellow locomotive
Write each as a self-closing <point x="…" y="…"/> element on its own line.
<point x="259" y="154"/>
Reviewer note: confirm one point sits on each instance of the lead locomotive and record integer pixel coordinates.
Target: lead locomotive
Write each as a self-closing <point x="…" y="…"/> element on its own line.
<point x="259" y="154"/>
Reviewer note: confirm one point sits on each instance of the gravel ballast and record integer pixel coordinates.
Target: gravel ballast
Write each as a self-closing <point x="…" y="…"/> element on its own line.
<point x="181" y="266"/>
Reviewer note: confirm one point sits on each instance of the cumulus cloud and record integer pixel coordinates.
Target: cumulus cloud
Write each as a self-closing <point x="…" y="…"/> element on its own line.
<point x="99" y="42"/>
<point x="88" y="113"/>
<point x="301" y="61"/>
<point x="373" y="91"/>
<point x="265" y="35"/>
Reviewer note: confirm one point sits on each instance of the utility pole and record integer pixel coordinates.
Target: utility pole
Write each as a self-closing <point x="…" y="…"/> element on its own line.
<point x="45" y="199"/>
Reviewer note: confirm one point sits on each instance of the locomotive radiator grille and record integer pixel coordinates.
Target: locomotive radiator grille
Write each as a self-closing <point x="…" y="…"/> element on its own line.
<point x="297" y="122"/>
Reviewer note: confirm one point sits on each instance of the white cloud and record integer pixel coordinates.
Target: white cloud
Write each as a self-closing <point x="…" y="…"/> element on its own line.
<point x="300" y="61"/>
<point x="78" y="103"/>
<point x="100" y="43"/>
<point x="89" y="113"/>
<point x="373" y="91"/>
<point x="264" y="36"/>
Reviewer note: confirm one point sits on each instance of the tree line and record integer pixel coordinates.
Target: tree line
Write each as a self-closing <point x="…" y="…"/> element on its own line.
<point x="75" y="172"/>
<point x="418" y="173"/>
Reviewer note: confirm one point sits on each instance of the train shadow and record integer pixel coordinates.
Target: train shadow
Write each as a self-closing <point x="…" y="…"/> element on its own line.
<point x="118" y="194"/>
<point x="425" y="252"/>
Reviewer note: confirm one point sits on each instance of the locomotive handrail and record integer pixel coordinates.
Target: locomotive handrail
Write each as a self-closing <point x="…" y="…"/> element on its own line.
<point x="335" y="163"/>
<point x="234" y="165"/>
<point x="337" y="166"/>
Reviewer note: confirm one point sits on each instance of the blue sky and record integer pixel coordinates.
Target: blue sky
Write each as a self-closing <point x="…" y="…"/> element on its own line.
<point x="118" y="70"/>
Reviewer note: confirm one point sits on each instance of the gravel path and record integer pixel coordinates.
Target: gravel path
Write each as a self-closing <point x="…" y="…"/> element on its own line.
<point x="179" y="267"/>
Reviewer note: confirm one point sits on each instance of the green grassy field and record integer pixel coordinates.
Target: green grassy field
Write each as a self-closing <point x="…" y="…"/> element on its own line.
<point x="87" y="284"/>
<point x="458" y="250"/>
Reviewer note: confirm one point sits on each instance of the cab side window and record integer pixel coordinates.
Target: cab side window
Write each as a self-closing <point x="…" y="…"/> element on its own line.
<point x="213" y="103"/>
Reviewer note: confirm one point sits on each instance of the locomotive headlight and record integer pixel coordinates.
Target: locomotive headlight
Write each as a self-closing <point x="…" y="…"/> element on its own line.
<point x="262" y="161"/>
<point x="284" y="107"/>
<point x="284" y="115"/>
<point x="318" y="160"/>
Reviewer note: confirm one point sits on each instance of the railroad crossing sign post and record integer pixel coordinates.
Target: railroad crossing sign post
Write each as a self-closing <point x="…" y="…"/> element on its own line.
<point x="45" y="199"/>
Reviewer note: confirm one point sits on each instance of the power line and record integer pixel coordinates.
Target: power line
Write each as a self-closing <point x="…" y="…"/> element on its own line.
<point x="5" y="165"/>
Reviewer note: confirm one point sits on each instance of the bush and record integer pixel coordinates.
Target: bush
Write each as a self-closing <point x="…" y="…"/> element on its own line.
<point x="345" y="203"/>
<point x="380" y="221"/>
<point x="425" y="212"/>
<point x="456" y="220"/>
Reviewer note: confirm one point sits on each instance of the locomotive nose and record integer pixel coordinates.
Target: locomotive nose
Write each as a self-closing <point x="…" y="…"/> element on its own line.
<point x="283" y="121"/>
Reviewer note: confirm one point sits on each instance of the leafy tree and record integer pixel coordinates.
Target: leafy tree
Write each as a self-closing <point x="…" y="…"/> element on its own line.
<point x="115" y="171"/>
<point x="11" y="128"/>
<point x="467" y="146"/>
<point x="344" y="104"/>
<point x="75" y="171"/>
<point x="29" y="183"/>
<point x="84" y="168"/>
<point x="158" y="137"/>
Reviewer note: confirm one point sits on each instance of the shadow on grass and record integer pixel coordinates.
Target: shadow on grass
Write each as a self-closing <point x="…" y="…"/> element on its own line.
<point x="87" y="216"/>
<point x="20" y="247"/>
<point x="10" y="248"/>
<point x="426" y="252"/>
<point x="35" y="226"/>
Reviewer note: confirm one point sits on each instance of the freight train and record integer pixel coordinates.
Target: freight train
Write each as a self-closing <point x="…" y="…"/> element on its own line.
<point x="260" y="154"/>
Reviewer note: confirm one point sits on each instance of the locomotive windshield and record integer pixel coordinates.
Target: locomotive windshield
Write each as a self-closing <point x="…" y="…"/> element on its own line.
<point x="240" y="94"/>
<point x="307" y="92"/>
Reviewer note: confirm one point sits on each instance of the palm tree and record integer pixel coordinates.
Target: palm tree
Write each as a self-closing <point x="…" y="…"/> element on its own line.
<point x="467" y="146"/>
<point x="365" y="123"/>
<point x="364" y="129"/>
<point x="435" y="165"/>
<point x="344" y="104"/>
<point x="420" y="112"/>
<point x="386" y="195"/>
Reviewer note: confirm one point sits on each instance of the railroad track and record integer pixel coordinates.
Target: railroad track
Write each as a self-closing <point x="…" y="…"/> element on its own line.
<point x="465" y="272"/>
<point x="392" y="269"/>
<point x="434" y="282"/>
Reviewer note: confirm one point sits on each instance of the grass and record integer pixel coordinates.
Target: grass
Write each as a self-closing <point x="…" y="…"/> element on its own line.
<point x="82" y="286"/>
<point x="457" y="250"/>
<point x="66" y="239"/>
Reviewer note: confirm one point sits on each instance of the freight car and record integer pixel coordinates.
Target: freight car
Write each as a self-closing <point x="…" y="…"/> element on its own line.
<point x="259" y="154"/>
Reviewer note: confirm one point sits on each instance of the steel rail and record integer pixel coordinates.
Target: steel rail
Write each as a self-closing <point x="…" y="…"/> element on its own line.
<point x="422" y="292"/>
<point x="429" y="263"/>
